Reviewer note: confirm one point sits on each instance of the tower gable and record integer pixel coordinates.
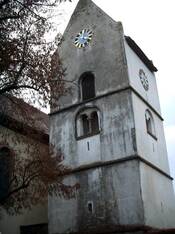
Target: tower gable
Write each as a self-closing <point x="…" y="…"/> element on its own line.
<point x="106" y="39"/>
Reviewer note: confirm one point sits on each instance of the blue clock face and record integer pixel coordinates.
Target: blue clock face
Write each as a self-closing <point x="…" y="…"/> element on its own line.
<point x="83" y="38"/>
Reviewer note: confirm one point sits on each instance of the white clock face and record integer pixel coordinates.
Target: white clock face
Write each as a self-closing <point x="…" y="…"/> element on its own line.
<point x="83" y="38"/>
<point x="144" y="79"/>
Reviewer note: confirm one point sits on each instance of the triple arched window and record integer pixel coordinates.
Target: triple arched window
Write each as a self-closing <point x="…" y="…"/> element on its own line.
<point x="87" y="123"/>
<point x="87" y="86"/>
<point x="150" y="126"/>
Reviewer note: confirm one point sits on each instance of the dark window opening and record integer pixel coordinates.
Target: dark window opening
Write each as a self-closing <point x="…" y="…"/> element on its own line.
<point x="88" y="86"/>
<point x="94" y="122"/>
<point x="34" y="229"/>
<point x="5" y="163"/>
<point x="88" y="146"/>
<point x="90" y="207"/>
<point x="85" y="122"/>
<point x="150" y="124"/>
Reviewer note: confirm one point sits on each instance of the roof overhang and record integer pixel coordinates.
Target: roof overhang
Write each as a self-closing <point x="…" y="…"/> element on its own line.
<point x="23" y="129"/>
<point x="140" y="54"/>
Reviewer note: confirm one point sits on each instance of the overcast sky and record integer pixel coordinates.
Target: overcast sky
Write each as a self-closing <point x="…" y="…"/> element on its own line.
<point x="151" y="23"/>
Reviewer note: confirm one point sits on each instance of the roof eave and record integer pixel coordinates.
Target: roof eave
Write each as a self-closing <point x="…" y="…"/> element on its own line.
<point x="140" y="54"/>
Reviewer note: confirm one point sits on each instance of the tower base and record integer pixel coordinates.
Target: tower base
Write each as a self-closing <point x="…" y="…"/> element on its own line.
<point x="130" y="229"/>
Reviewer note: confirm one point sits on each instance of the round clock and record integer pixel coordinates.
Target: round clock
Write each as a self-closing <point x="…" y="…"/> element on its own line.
<point x="143" y="79"/>
<point x="83" y="38"/>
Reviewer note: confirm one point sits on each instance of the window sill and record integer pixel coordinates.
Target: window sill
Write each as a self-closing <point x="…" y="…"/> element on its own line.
<point x="152" y="135"/>
<point x="87" y="99"/>
<point x="86" y="136"/>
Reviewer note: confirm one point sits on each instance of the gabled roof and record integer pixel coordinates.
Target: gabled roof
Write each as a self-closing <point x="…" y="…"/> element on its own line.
<point x="19" y="116"/>
<point x="141" y="54"/>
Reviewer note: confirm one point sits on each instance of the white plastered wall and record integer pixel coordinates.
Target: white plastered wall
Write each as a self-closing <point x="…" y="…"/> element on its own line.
<point x="134" y="65"/>
<point x="158" y="198"/>
<point x="38" y="214"/>
<point x="148" y="147"/>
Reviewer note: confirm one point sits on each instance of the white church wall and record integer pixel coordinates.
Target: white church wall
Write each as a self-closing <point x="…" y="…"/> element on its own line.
<point x="114" y="141"/>
<point x="21" y="145"/>
<point x="153" y="150"/>
<point x="118" y="122"/>
<point x="11" y="224"/>
<point x="88" y="150"/>
<point x="134" y="65"/>
<point x="62" y="213"/>
<point x="158" y="198"/>
<point x="109" y="175"/>
<point x="114" y="193"/>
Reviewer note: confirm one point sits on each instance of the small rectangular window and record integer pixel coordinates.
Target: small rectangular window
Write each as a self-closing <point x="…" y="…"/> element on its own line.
<point x="90" y="207"/>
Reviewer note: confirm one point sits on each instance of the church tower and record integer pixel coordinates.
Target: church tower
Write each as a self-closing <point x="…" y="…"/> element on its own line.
<point x="109" y="129"/>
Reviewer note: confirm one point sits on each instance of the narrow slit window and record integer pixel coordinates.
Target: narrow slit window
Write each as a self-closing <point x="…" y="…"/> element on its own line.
<point x="90" y="207"/>
<point x="88" y="146"/>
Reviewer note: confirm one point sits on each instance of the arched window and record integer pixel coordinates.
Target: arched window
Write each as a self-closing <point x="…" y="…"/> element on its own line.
<point x="5" y="163"/>
<point x="150" y="123"/>
<point x="87" y="83"/>
<point x="87" y="123"/>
